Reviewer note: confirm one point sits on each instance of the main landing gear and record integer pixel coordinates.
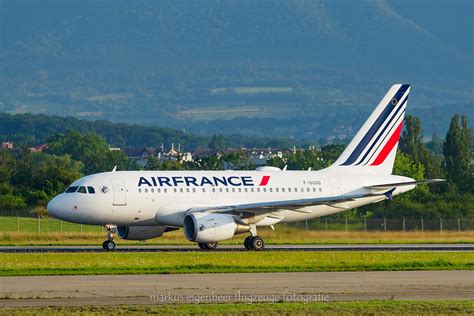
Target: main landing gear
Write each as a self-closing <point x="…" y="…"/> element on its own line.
<point x="255" y="243"/>
<point x="109" y="244"/>
<point x="208" y="246"/>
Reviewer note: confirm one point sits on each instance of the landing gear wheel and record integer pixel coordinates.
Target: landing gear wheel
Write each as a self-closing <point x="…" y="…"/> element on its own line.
<point x="248" y="242"/>
<point x="208" y="246"/>
<point x="258" y="243"/>
<point x="108" y="245"/>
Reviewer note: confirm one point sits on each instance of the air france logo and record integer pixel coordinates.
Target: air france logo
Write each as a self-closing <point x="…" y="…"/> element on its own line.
<point x="104" y="189"/>
<point x="189" y="181"/>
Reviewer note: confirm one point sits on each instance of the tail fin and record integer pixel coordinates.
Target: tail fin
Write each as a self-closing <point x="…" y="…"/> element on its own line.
<point x="374" y="147"/>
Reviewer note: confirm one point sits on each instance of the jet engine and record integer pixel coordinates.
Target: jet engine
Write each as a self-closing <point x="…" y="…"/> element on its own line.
<point x="140" y="232"/>
<point x="211" y="227"/>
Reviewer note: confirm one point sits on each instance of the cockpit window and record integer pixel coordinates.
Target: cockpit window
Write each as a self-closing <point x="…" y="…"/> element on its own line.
<point x="71" y="189"/>
<point x="82" y="190"/>
<point x="91" y="190"/>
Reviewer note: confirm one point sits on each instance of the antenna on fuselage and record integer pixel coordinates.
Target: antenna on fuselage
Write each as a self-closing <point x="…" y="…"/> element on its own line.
<point x="115" y="168"/>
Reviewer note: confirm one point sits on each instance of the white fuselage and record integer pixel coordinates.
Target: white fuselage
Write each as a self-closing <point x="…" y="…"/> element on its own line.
<point x="148" y="198"/>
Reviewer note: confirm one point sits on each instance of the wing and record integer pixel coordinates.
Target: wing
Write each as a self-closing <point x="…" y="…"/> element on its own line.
<point x="270" y="206"/>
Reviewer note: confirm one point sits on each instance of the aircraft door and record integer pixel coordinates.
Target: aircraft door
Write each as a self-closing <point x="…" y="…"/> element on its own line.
<point x="119" y="191"/>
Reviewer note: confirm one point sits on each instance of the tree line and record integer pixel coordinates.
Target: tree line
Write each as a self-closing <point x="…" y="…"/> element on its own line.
<point x="29" y="180"/>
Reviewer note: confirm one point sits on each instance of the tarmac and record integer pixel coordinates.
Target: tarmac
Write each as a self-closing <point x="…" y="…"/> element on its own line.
<point x="235" y="287"/>
<point x="189" y="248"/>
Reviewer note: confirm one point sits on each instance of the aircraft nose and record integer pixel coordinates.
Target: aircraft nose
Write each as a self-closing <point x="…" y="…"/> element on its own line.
<point x="53" y="207"/>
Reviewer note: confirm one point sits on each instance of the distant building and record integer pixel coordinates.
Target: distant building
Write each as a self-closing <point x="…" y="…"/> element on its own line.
<point x="38" y="148"/>
<point x="141" y="154"/>
<point x="7" y="145"/>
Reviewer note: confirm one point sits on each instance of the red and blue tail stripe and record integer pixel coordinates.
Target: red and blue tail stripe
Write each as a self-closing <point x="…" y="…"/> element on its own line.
<point x="376" y="136"/>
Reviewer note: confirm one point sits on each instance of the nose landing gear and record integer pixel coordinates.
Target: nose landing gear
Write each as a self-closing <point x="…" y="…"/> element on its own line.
<point x="109" y="244"/>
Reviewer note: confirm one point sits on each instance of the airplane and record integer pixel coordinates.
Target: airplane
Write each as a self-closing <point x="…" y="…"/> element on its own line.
<point x="213" y="206"/>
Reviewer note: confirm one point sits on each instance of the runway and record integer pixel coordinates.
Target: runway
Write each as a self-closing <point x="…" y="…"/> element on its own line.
<point x="236" y="287"/>
<point x="190" y="248"/>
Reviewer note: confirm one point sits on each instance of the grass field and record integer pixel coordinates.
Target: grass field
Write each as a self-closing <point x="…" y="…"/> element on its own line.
<point x="316" y="308"/>
<point x="228" y="262"/>
<point x="25" y="231"/>
<point x="281" y="235"/>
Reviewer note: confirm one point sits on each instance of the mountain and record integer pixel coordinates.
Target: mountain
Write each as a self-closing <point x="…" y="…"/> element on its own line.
<point x="275" y="68"/>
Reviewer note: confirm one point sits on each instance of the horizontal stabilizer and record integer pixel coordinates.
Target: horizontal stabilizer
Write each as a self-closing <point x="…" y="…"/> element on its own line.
<point x="399" y="184"/>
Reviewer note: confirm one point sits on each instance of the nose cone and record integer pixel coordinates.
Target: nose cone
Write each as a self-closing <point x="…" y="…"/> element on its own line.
<point x="54" y="207"/>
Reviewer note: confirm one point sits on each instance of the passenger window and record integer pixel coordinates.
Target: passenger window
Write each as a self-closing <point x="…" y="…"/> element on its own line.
<point x="264" y="189"/>
<point x="227" y="189"/>
<point x="165" y="190"/>
<point x="314" y="189"/>
<point x="233" y="189"/>
<point x="82" y="190"/>
<point x="203" y="190"/>
<point x="289" y="189"/>
<point x="258" y="189"/>
<point x="282" y="189"/>
<point x="245" y="189"/>
<point x="307" y="190"/>
<point x="187" y="190"/>
<point x="194" y="190"/>
<point x="139" y="190"/>
<point x="175" y="190"/>
<point x="158" y="190"/>
<point x="146" y="190"/>
<point x="71" y="189"/>
<point x="251" y="190"/>
<point x="152" y="190"/>
<point x="240" y="190"/>
<point x="276" y="190"/>
<point x="271" y="190"/>
<point x="181" y="190"/>
<point x="220" y="189"/>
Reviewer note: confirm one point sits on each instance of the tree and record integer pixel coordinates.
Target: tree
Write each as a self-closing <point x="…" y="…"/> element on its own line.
<point x="90" y="148"/>
<point x="457" y="153"/>
<point x="216" y="142"/>
<point x="40" y="176"/>
<point x="411" y="141"/>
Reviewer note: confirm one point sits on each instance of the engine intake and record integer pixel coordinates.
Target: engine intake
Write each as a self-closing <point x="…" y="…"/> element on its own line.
<point x="211" y="227"/>
<point x="140" y="232"/>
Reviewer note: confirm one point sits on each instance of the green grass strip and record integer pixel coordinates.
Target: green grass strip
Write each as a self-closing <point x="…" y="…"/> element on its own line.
<point x="228" y="262"/>
<point x="314" y="308"/>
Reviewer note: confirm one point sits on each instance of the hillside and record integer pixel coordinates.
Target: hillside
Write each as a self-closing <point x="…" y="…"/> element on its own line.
<point x="271" y="68"/>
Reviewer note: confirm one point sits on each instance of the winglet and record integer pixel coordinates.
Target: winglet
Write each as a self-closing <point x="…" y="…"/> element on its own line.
<point x="389" y="194"/>
<point x="115" y="168"/>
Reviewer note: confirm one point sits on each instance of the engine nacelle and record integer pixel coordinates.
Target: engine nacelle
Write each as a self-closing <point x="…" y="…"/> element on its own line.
<point x="211" y="227"/>
<point x="140" y="232"/>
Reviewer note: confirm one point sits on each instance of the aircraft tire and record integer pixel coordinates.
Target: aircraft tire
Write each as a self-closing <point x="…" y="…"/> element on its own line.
<point x="108" y="245"/>
<point x="258" y="244"/>
<point x="248" y="242"/>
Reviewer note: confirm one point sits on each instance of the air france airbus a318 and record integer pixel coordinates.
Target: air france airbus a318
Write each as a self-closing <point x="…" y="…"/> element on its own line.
<point x="212" y="206"/>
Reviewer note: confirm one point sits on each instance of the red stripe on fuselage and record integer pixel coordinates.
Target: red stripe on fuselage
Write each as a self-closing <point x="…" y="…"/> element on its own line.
<point x="388" y="146"/>
<point x="264" y="181"/>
